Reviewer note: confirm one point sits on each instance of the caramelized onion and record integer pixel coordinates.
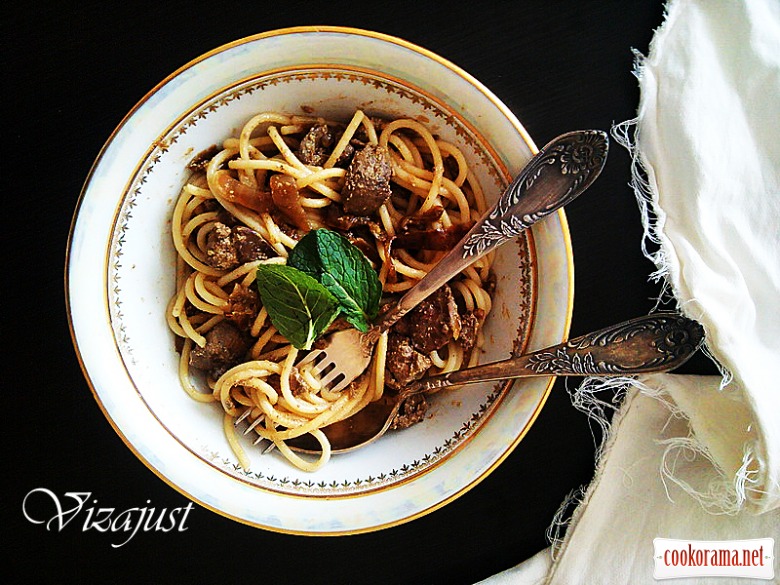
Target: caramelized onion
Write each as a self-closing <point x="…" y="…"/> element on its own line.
<point x="236" y="192"/>
<point x="284" y="193"/>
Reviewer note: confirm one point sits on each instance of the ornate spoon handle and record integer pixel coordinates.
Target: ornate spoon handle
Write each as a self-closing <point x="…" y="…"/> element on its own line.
<point x="558" y="173"/>
<point x="653" y="343"/>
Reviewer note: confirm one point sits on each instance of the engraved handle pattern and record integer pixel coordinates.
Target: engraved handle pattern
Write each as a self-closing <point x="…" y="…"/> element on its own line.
<point x="559" y="172"/>
<point x="653" y="343"/>
<point x="646" y="344"/>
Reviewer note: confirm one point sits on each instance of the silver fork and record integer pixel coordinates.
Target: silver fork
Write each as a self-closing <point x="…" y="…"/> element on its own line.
<point x="558" y="173"/>
<point x="251" y="426"/>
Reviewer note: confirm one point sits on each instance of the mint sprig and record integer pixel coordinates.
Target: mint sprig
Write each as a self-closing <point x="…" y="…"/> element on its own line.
<point x="299" y="307"/>
<point x="325" y="275"/>
<point x="344" y="270"/>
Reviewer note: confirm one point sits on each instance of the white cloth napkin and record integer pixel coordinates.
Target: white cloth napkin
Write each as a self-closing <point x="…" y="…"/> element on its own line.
<point x="695" y="457"/>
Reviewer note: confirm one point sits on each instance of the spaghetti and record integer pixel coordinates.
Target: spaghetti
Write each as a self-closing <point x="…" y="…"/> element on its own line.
<point x="249" y="202"/>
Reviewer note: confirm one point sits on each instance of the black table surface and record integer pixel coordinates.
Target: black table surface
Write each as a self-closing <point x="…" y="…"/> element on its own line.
<point x="71" y="74"/>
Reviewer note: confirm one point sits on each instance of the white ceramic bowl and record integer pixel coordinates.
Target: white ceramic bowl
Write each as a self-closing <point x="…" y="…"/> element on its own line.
<point x="120" y="275"/>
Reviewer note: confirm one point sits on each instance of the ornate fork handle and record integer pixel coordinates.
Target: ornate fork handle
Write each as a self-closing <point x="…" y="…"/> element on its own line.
<point x="557" y="174"/>
<point x="653" y="343"/>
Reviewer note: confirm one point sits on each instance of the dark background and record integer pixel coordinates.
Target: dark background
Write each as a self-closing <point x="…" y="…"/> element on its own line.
<point x="70" y="77"/>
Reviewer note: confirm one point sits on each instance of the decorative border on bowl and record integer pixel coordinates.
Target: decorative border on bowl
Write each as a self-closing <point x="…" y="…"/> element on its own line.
<point x="246" y="88"/>
<point x="311" y="487"/>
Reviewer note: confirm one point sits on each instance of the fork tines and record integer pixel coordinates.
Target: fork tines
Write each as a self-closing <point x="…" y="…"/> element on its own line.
<point x="325" y="369"/>
<point x="242" y="417"/>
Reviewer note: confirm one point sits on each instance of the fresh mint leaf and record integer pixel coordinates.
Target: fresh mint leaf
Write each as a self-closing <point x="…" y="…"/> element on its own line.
<point x="305" y="256"/>
<point x="299" y="307"/>
<point x="344" y="270"/>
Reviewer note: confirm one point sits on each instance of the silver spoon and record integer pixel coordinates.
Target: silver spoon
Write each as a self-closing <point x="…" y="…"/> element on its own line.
<point x="654" y="343"/>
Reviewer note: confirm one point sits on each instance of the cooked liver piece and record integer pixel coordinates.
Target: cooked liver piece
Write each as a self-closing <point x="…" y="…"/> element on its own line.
<point x="227" y="247"/>
<point x="250" y="245"/>
<point x="243" y="306"/>
<point x="412" y="411"/>
<point x="225" y="347"/>
<point x="220" y="249"/>
<point x="312" y="150"/>
<point x="367" y="182"/>
<point x="404" y="363"/>
<point x="469" y="329"/>
<point x="433" y="322"/>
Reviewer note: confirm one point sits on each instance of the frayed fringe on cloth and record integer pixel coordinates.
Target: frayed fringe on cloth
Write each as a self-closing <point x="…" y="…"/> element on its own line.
<point x="720" y="495"/>
<point x="599" y="399"/>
